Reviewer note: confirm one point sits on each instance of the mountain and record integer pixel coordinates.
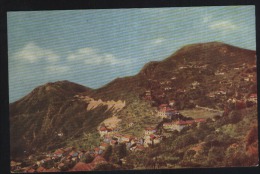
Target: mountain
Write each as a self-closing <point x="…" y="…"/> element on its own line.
<point x="56" y="114"/>
<point x="50" y="110"/>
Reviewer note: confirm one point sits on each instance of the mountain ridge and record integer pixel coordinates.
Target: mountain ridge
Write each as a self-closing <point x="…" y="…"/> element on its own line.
<point x="53" y="107"/>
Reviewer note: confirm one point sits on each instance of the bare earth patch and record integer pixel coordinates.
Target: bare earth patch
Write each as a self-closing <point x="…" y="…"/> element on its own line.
<point x="112" y="122"/>
<point x="199" y="113"/>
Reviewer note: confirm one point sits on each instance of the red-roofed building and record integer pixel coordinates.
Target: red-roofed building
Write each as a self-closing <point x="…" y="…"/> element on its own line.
<point x="113" y="142"/>
<point x="31" y="170"/>
<point x="157" y="140"/>
<point x="41" y="169"/>
<point x="61" y="165"/>
<point x="103" y="146"/>
<point x="253" y="98"/>
<point x="152" y="136"/>
<point x="199" y="120"/>
<point x="163" y="107"/>
<point x="126" y="138"/>
<point x="139" y="148"/>
<point x="58" y="152"/>
<point x="148" y="131"/>
<point x="172" y="103"/>
<point x="103" y="131"/>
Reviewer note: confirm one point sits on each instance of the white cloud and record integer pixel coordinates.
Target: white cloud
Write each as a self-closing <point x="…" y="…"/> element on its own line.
<point x="223" y="25"/>
<point x="158" y="41"/>
<point x="57" y="69"/>
<point x="32" y="53"/>
<point x="92" y="56"/>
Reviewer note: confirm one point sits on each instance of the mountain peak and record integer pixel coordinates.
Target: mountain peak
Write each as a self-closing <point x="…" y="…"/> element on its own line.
<point x="47" y="94"/>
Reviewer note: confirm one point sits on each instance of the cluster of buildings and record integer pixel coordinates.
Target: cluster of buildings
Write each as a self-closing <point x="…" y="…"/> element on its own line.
<point x="132" y="143"/>
<point x="63" y="159"/>
<point x="180" y="124"/>
<point x="167" y="111"/>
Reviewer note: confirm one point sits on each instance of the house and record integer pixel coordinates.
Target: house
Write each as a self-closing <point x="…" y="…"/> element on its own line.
<point x="61" y="165"/>
<point x="179" y="125"/>
<point x="168" y="113"/>
<point x="98" y="151"/>
<point x="149" y="131"/>
<point x="220" y="92"/>
<point x="132" y="148"/>
<point x="81" y="154"/>
<point x="172" y="103"/>
<point x="211" y="95"/>
<point x="103" y="146"/>
<point x="58" y="152"/>
<point x="131" y="124"/>
<point x="139" y="148"/>
<point x="60" y="134"/>
<point x="195" y="83"/>
<point x="167" y="88"/>
<point x="140" y="141"/>
<point x="164" y="111"/>
<point x="183" y="67"/>
<point x="74" y="158"/>
<point x="199" y="120"/>
<point x="117" y="137"/>
<point x="55" y="158"/>
<point x="73" y="154"/>
<point x="217" y="73"/>
<point x="103" y="131"/>
<point x="253" y="98"/>
<point x="113" y="142"/>
<point x="173" y="78"/>
<point x="147" y="141"/>
<point x="126" y="138"/>
<point x="133" y="141"/>
<point x="107" y="138"/>
<point x="168" y="125"/>
<point x="148" y="95"/>
<point x="247" y="79"/>
<point x="157" y="140"/>
<point x="163" y="107"/>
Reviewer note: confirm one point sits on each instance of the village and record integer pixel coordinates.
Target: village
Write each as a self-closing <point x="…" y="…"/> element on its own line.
<point x="69" y="158"/>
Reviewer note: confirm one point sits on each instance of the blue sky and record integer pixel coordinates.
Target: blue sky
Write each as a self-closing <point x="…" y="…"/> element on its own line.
<point x="93" y="47"/>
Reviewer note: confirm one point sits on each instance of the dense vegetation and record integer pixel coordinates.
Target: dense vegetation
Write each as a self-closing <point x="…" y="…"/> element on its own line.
<point x="229" y="141"/>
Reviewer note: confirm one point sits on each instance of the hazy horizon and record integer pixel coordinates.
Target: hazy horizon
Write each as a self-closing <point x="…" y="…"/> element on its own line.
<point x="93" y="47"/>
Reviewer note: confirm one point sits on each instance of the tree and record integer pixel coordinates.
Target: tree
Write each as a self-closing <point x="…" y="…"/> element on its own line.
<point x="107" y="153"/>
<point x="118" y="152"/>
<point x="87" y="158"/>
<point x="122" y="152"/>
<point x="216" y="156"/>
<point x="190" y="154"/>
<point x="104" y="167"/>
<point x="235" y="117"/>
